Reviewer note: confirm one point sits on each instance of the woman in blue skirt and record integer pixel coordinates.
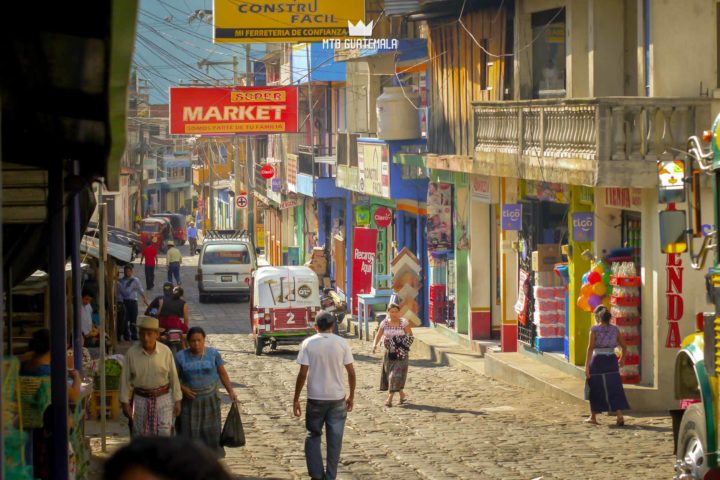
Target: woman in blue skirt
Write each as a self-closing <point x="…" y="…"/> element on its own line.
<point x="602" y="369"/>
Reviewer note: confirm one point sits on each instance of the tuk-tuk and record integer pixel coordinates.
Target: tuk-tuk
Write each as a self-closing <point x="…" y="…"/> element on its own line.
<point x="178" y="225"/>
<point x="283" y="304"/>
<point x="157" y="230"/>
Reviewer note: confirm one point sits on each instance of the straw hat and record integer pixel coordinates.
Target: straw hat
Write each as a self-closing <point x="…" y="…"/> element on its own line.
<point x="171" y="243"/>
<point x="148" y="323"/>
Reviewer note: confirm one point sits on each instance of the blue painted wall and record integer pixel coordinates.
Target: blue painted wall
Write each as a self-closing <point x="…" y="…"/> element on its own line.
<point x="323" y="67"/>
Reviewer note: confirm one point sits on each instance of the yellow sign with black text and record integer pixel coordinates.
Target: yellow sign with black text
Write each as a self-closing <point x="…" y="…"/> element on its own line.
<point x="285" y="20"/>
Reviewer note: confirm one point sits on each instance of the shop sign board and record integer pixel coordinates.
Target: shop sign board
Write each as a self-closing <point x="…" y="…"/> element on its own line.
<point x="291" y="203"/>
<point x="675" y="304"/>
<point x="481" y="188"/>
<point x="623" y="198"/>
<point x="363" y="258"/>
<point x="512" y="216"/>
<point x="362" y="216"/>
<point x="583" y="226"/>
<point x="291" y="170"/>
<point x="383" y="217"/>
<point x="440" y="218"/>
<point x="374" y="169"/>
<point x="227" y="110"/>
<point x="546" y="191"/>
<point x="287" y="20"/>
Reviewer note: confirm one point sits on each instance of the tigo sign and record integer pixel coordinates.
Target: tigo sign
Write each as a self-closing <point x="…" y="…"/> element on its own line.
<point x="583" y="227"/>
<point x="218" y="110"/>
<point x="512" y="216"/>
<point x="285" y="20"/>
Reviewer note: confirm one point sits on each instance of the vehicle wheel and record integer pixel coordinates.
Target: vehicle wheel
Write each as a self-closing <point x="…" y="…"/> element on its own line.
<point x="692" y="443"/>
<point x="244" y="298"/>
<point x="202" y="298"/>
<point x="259" y="344"/>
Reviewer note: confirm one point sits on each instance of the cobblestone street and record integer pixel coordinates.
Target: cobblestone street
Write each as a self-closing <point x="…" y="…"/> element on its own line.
<point x="457" y="425"/>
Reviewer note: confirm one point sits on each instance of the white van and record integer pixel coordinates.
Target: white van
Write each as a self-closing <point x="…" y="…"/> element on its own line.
<point x="225" y="268"/>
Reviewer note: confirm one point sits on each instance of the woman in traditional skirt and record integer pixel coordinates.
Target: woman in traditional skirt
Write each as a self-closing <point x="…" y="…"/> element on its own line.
<point x="397" y="338"/>
<point x="200" y="369"/>
<point x="604" y="388"/>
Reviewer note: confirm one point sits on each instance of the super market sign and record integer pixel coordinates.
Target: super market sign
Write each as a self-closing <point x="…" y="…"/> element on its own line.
<point x="284" y="20"/>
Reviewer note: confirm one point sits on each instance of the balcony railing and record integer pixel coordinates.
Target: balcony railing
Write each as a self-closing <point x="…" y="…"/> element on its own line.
<point x="619" y="129"/>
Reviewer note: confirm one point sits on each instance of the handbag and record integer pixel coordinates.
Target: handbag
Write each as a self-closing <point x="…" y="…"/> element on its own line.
<point x="233" y="434"/>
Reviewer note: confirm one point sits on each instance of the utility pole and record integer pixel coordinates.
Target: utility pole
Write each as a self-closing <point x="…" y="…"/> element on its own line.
<point x="249" y="160"/>
<point x="211" y="200"/>
<point x="141" y="186"/>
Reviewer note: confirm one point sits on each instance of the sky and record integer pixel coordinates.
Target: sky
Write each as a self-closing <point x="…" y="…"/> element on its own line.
<point x="170" y="41"/>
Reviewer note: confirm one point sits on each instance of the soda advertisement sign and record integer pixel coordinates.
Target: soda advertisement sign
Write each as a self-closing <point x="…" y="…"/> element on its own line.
<point x="287" y="20"/>
<point x="225" y="110"/>
<point x="363" y="258"/>
<point x="512" y="216"/>
<point x="583" y="227"/>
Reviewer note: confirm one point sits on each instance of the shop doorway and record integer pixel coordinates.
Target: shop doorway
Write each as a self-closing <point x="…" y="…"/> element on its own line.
<point x="542" y="223"/>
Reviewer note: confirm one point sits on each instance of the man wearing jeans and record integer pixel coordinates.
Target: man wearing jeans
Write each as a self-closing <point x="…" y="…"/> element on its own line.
<point x="322" y="358"/>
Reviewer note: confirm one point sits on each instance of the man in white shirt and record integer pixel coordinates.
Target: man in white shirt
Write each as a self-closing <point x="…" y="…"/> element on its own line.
<point x="322" y="359"/>
<point x="86" y="313"/>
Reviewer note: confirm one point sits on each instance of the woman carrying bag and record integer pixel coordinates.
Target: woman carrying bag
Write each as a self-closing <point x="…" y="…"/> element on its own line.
<point x="201" y="369"/>
<point x="397" y="338"/>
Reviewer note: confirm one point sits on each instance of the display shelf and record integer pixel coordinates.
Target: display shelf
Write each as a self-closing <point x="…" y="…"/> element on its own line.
<point x="625" y="301"/>
<point x="618" y="281"/>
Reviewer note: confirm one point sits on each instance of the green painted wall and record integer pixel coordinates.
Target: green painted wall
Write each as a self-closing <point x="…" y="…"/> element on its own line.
<point x="462" y="259"/>
<point x="580" y="321"/>
<point x="299" y="224"/>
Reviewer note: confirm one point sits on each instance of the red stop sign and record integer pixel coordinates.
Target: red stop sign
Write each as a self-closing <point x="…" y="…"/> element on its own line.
<point x="383" y="217"/>
<point x="267" y="172"/>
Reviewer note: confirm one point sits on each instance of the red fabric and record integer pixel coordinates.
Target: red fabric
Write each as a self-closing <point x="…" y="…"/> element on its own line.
<point x="172" y="323"/>
<point x="150" y="253"/>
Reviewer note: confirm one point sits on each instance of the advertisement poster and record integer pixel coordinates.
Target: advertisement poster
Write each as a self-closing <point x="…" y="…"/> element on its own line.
<point x="583" y="227"/>
<point x="512" y="216"/>
<point x="481" y="188"/>
<point x="439" y="222"/>
<point x="225" y="110"/>
<point x="363" y="258"/>
<point x="284" y="21"/>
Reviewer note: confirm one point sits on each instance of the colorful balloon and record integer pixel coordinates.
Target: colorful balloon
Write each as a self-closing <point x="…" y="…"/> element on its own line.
<point x="606" y="278"/>
<point x="584" y="278"/>
<point x="594" y="301"/>
<point x="586" y="290"/>
<point x="600" y="268"/>
<point x="606" y="302"/>
<point x="582" y="303"/>
<point x="594" y="277"/>
<point x="599" y="289"/>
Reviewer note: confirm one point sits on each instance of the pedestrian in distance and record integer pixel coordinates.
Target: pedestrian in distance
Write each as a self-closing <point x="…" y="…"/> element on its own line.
<point x="174" y="260"/>
<point x="154" y="458"/>
<point x="322" y="359"/>
<point x="149" y="255"/>
<point x="201" y="369"/>
<point x="192" y="235"/>
<point x="129" y="289"/>
<point x="150" y="392"/>
<point x="603" y="387"/>
<point x="397" y="337"/>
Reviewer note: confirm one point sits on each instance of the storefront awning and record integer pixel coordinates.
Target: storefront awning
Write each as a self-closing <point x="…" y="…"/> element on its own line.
<point x="90" y="245"/>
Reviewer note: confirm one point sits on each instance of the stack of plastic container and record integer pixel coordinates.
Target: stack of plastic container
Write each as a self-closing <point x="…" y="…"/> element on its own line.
<point x="549" y="318"/>
<point x="437" y="303"/>
<point x="625" y="310"/>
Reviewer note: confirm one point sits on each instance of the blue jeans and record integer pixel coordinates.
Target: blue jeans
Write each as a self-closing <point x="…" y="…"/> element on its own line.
<point x="174" y="270"/>
<point x="127" y="325"/>
<point x="331" y="414"/>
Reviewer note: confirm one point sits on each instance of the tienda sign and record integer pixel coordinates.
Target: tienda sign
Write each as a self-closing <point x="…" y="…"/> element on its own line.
<point x="218" y="110"/>
<point x="675" y="302"/>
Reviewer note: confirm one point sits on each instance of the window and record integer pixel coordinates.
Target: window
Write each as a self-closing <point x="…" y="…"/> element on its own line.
<point x="548" y="60"/>
<point x="230" y="254"/>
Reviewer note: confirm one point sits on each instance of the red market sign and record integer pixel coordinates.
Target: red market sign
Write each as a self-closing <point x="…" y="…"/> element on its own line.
<point x="221" y="110"/>
<point x="363" y="258"/>
<point x="675" y="302"/>
<point x="383" y="217"/>
<point x="267" y="172"/>
<point x="624" y="198"/>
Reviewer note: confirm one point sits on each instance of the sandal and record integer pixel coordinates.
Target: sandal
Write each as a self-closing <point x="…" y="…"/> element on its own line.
<point x="590" y="421"/>
<point x="388" y="403"/>
<point x="620" y="423"/>
<point x="403" y="400"/>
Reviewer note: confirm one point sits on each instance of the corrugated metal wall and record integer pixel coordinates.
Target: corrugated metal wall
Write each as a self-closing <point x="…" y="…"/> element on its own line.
<point x="461" y="73"/>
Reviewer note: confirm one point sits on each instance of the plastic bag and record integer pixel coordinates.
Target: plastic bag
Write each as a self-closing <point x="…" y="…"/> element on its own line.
<point x="233" y="434"/>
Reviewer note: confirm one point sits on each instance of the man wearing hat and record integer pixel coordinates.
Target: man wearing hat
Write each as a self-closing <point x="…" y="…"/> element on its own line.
<point x="174" y="260"/>
<point x="150" y="389"/>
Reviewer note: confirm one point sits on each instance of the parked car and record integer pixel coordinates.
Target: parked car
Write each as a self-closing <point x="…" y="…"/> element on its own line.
<point x="178" y="224"/>
<point x="225" y="265"/>
<point x="283" y="304"/>
<point x="156" y="228"/>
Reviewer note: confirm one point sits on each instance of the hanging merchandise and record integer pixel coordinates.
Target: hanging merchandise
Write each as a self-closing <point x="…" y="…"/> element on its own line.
<point x="439" y="218"/>
<point x="595" y="288"/>
<point x="625" y="303"/>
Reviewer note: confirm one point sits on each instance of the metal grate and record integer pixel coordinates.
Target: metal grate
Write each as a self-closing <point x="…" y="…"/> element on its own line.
<point x="226" y="235"/>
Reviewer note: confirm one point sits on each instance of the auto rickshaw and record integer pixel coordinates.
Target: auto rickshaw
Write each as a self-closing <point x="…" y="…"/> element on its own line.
<point x="157" y="230"/>
<point x="283" y="304"/>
